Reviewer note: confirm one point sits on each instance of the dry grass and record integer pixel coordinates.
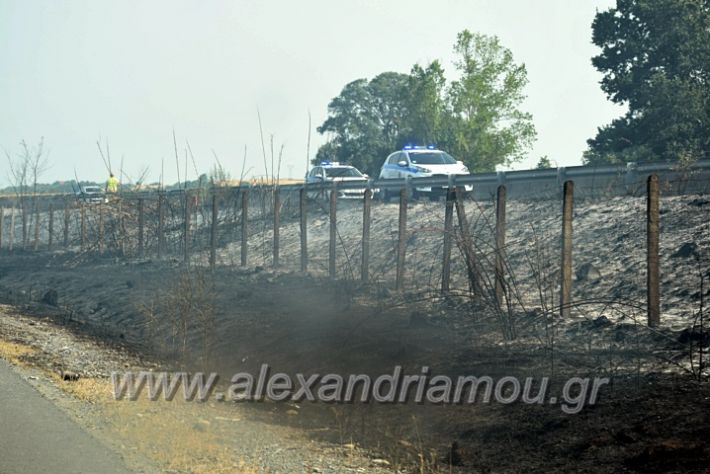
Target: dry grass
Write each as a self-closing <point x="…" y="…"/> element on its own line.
<point x="181" y="436"/>
<point x="15" y="353"/>
<point x="89" y="390"/>
<point x="177" y="435"/>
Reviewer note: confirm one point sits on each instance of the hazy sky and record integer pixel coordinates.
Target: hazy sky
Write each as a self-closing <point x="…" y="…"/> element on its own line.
<point x="129" y="72"/>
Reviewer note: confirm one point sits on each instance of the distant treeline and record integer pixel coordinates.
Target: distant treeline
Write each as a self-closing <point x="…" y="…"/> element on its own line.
<point x="57" y="187"/>
<point x="68" y="187"/>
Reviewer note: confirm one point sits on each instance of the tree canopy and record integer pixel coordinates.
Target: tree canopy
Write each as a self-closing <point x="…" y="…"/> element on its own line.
<point x="475" y="118"/>
<point x="488" y="128"/>
<point x="365" y="120"/>
<point x="655" y="58"/>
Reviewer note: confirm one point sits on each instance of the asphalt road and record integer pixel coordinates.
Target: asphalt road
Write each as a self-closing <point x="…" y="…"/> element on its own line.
<point x="37" y="437"/>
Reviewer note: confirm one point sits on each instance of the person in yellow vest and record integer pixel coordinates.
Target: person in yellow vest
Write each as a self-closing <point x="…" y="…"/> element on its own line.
<point x="112" y="184"/>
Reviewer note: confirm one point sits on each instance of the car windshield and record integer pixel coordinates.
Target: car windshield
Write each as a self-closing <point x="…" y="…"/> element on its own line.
<point x="439" y="158"/>
<point x="342" y="173"/>
<point x="92" y="189"/>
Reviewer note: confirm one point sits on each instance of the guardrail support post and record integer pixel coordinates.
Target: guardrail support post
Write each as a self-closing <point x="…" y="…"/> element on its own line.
<point x="402" y="237"/>
<point x="245" y="226"/>
<point x="566" y="263"/>
<point x="448" y="239"/>
<point x="304" y="229"/>
<point x="365" y="264"/>
<point x="652" y="244"/>
<point x="333" y="229"/>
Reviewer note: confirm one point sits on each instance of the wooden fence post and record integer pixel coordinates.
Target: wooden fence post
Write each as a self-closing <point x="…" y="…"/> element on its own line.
<point x="161" y="224"/>
<point x="277" y="225"/>
<point x="213" y="233"/>
<point x="235" y="195"/>
<point x="186" y="239"/>
<point x="35" y="243"/>
<point x="25" y="230"/>
<point x="141" y="225"/>
<point x="302" y="203"/>
<point x="500" y="245"/>
<point x="448" y="239"/>
<point x="66" y="223"/>
<point x="50" y="230"/>
<point x="652" y="245"/>
<point x="101" y="229"/>
<point x="245" y="226"/>
<point x="333" y="229"/>
<point x="401" y="238"/>
<point x="467" y="243"/>
<point x="566" y="263"/>
<point x="83" y="226"/>
<point x="366" y="205"/>
<point x="121" y="229"/>
<point x="11" y="235"/>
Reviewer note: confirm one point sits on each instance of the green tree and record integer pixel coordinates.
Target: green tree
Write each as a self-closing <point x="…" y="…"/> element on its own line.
<point x="426" y="108"/>
<point x="655" y="56"/>
<point x="364" y="120"/>
<point x="487" y="126"/>
<point x="543" y="163"/>
<point x="475" y="118"/>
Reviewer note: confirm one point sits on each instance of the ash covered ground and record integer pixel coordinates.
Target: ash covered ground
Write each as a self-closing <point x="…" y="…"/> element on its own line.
<point x="652" y="417"/>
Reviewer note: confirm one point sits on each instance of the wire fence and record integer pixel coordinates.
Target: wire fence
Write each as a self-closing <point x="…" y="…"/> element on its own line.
<point x="497" y="243"/>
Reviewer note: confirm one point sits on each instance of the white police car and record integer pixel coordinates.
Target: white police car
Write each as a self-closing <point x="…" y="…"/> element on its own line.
<point x="332" y="171"/>
<point x="421" y="162"/>
<point x="91" y="195"/>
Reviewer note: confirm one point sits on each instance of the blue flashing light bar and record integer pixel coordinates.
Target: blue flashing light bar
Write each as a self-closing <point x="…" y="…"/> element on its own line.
<point x="416" y="147"/>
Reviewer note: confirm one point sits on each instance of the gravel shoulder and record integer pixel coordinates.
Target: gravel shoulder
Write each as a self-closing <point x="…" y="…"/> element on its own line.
<point x="156" y="436"/>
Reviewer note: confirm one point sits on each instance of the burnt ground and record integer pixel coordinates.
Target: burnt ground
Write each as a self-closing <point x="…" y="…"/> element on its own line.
<point x="652" y="417"/>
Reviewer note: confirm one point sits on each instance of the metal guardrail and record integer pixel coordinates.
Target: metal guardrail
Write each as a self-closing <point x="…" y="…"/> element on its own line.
<point x="504" y="177"/>
<point x="628" y="173"/>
